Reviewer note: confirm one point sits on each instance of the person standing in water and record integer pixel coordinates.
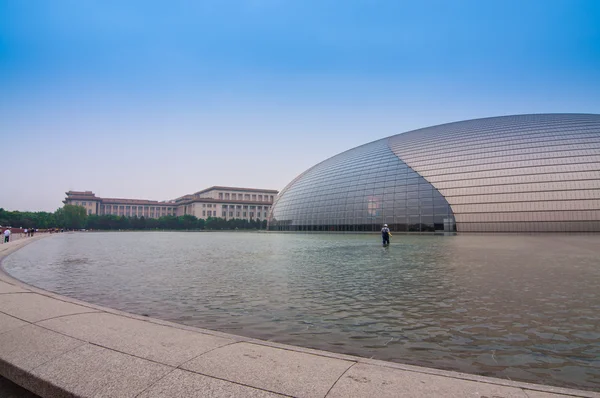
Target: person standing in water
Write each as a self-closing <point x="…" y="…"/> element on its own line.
<point x="385" y="235"/>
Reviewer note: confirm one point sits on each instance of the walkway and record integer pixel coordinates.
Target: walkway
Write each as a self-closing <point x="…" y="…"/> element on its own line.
<point x="60" y="347"/>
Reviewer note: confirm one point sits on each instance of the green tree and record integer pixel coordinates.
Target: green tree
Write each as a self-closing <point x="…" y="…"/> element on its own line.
<point x="124" y="223"/>
<point x="152" y="223"/>
<point x="138" y="223"/>
<point x="93" y="222"/>
<point x="43" y="219"/>
<point x="188" y="222"/>
<point x="71" y="217"/>
<point x="215" y="223"/>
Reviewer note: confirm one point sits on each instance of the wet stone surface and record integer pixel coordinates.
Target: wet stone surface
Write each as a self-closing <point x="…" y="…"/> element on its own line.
<point x="523" y="308"/>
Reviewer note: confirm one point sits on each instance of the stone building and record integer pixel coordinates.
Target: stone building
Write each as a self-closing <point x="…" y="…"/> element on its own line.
<point x="223" y="202"/>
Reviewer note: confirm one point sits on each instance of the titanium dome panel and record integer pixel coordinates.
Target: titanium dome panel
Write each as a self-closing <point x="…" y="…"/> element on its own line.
<point x="359" y="190"/>
<point x="524" y="173"/>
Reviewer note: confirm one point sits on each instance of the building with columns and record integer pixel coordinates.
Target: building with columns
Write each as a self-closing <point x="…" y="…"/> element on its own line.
<point x="228" y="203"/>
<point x="120" y="207"/>
<point x="222" y="202"/>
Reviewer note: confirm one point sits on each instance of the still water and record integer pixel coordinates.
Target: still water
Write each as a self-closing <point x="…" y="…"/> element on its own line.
<point x="516" y="307"/>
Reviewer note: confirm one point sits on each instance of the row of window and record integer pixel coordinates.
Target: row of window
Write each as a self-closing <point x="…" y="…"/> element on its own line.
<point x="246" y="196"/>
<point x="404" y="199"/>
<point x="365" y="227"/>
<point x="110" y="208"/>
<point x="350" y="194"/>
<point x="238" y="214"/>
<point x="129" y="207"/>
<point x="156" y="211"/>
<point x="360" y="218"/>
<point x="210" y="205"/>
<point x="353" y="193"/>
<point x="133" y="213"/>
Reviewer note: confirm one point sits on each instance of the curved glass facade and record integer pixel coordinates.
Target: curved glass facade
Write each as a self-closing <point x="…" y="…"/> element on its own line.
<point x="524" y="173"/>
<point x="359" y="190"/>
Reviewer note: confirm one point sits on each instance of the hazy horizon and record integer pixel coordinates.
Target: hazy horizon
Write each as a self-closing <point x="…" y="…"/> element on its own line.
<point x="155" y="100"/>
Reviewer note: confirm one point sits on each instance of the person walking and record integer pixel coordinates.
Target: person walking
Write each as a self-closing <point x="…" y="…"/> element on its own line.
<point x="385" y="235"/>
<point x="6" y="235"/>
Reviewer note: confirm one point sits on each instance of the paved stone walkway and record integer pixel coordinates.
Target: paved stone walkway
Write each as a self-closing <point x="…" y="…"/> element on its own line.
<point x="19" y="237"/>
<point x="60" y="347"/>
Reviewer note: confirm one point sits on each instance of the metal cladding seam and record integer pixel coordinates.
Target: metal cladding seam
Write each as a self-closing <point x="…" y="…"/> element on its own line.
<point x="522" y="173"/>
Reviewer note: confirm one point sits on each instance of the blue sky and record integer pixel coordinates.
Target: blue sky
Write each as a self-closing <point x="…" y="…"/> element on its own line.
<point x="154" y="100"/>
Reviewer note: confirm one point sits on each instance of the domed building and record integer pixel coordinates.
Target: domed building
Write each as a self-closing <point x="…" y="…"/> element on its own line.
<point x="523" y="173"/>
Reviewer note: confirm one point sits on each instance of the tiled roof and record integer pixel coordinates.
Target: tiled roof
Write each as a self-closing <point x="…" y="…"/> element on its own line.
<point x="226" y="202"/>
<point x="135" y="202"/>
<point x="87" y="198"/>
<point x="236" y="189"/>
<point x="81" y="193"/>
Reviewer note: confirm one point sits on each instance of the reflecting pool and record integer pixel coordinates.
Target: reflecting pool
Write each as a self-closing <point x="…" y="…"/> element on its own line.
<point x="521" y="307"/>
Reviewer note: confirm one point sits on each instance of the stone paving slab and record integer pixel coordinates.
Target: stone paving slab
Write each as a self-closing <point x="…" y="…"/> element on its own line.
<point x="33" y="307"/>
<point x="273" y="369"/>
<point x="377" y="381"/>
<point x="8" y="322"/>
<point x="181" y="383"/>
<point x="30" y="346"/>
<point x="8" y="288"/>
<point x="91" y="371"/>
<point x="147" y="340"/>
<point x="459" y="377"/>
<point x="541" y="394"/>
<point x="364" y="380"/>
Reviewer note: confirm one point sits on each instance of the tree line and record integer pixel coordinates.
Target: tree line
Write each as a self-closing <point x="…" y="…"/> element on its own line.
<point x="75" y="217"/>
